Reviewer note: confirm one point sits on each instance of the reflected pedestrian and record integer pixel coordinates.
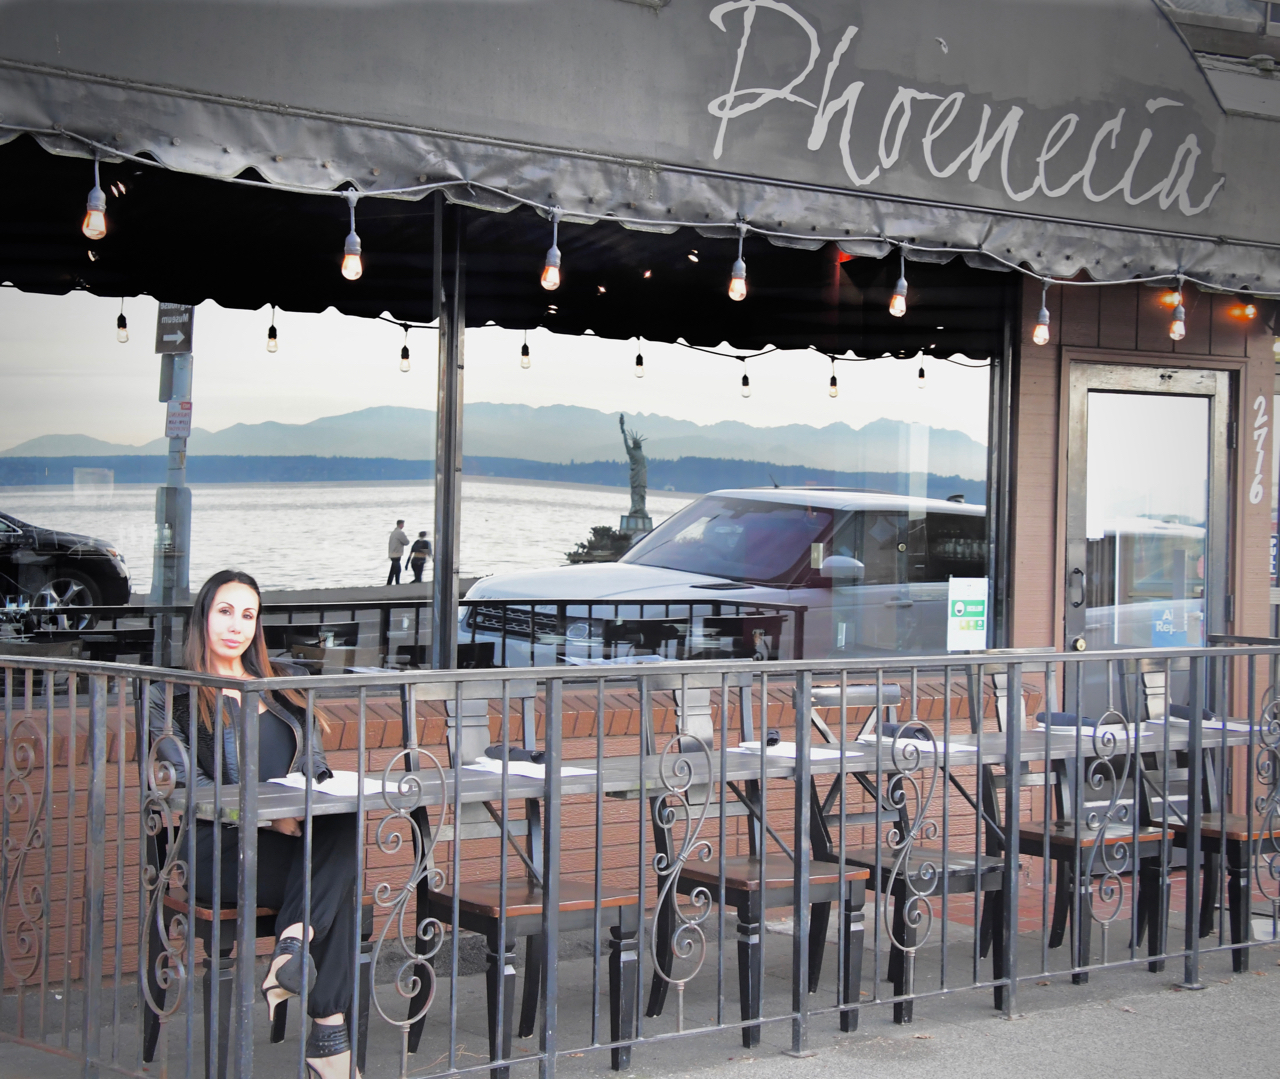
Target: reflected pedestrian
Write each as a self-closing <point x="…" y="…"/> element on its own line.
<point x="418" y="555"/>
<point x="396" y="543"/>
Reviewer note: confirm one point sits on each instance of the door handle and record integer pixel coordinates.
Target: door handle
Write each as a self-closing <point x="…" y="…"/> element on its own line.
<point x="1083" y="583"/>
<point x="900" y="603"/>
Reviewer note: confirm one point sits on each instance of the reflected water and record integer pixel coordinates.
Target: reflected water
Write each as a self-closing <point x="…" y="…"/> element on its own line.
<point x="329" y="535"/>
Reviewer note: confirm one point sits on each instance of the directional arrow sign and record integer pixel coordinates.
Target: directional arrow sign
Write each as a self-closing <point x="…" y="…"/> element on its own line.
<point x="174" y="327"/>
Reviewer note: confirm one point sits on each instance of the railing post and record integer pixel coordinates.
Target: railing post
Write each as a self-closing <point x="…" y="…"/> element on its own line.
<point x="1012" y="812"/>
<point x="94" y="868"/>
<point x="246" y="886"/>
<point x="552" y="744"/>
<point x="800" y="885"/>
<point x="1195" y="806"/>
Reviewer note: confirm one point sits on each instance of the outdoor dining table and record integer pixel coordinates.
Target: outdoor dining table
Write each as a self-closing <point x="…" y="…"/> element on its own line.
<point x="621" y="776"/>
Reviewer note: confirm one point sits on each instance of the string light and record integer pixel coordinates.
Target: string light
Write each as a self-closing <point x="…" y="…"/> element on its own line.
<point x="898" y="302"/>
<point x="1178" y="327"/>
<point x="834" y="391"/>
<point x="551" y="270"/>
<point x="122" y="325"/>
<point x="524" y="352"/>
<point x="738" y="276"/>
<point x="746" y="382"/>
<point x="272" y="343"/>
<point x="352" y="267"/>
<point x="94" y="225"/>
<point x="404" y="351"/>
<point x="920" y="378"/>
<point x="1040" y="335"/>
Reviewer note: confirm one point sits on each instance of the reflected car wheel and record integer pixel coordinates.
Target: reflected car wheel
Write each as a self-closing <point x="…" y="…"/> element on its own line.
<point x="53" y="607"/>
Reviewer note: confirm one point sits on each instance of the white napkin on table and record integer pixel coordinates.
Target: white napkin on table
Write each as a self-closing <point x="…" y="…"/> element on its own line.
<point x="525" y="768"/>
<point x="342" y="785"/>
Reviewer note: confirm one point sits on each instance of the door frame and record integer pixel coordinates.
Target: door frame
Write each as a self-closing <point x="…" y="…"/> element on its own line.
<point x="1211" y="381"/>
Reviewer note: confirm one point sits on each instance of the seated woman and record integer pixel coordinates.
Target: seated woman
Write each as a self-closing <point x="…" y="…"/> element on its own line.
<point x="225" y="638"/>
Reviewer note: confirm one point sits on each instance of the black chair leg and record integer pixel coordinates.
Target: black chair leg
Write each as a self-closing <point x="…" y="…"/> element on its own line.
<point x="750" y="958"/>
<point x="150" y="1020"/>
<point x="854" y="936"/>
<point x="994" y="902"/>
<point x="902" y="1009"/>
<point x="224" y="973"/>
<point x="1210" y="896"/>
<point x="819" y="919"/>
<point x="420" y="998"/>
<point x="988" y="925"/>
<point x="534" y="956"/>
<point x="663" y="926"/>
<point x="1238" y="902"/>
<point x="362" y="1022"/>
<point x="500" y="968"/>
<point x="1083" y="929"/>
<point x="1061" y="904"/>
<point x="624" y="970"/>
<point x="1153" y="914"/>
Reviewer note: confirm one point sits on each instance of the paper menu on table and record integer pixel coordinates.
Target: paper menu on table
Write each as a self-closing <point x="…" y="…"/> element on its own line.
<point x="342" y="785"/>
<point x="524" y="768"/>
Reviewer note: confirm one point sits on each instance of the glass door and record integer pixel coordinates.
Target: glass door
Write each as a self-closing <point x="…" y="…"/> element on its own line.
<point x="1146" y="507"/>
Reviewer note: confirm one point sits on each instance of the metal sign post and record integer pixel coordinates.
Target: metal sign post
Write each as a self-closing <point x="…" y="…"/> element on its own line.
<point x="171" y="572"/>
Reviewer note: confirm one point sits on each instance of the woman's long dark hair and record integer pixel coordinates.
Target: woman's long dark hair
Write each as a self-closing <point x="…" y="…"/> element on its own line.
<point x="195" y="652"/>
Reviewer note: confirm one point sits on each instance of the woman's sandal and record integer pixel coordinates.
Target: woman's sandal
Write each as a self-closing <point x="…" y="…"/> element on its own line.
<point x="288" y="978"/>
<point x="326" y="1041"/>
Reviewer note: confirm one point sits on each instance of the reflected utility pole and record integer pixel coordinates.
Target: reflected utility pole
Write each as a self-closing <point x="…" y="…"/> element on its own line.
<point x="171" y="567"/>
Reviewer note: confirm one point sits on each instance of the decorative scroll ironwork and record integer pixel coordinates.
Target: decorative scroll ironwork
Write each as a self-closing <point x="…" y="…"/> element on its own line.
<point x="911" y="793"/>
<point x="405" y="795"/>
<point x="25" y="910"/>
<point x="165" y="835"/>
<point x="1266" y="770"/>
<point x="676" y="811"/>
<point x="1113" y="743"/>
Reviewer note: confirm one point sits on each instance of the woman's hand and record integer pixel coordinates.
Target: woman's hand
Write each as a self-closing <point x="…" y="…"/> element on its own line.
<point x="287" y="826"/>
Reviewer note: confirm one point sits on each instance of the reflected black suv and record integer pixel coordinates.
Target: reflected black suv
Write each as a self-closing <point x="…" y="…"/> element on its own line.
<point x="45" y="568"/>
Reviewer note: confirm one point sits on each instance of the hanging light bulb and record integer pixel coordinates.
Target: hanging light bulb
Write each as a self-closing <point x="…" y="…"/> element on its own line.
<point x="122" y="325"/>
<point x="352" y="267"/>
<point x="746" y="382"/>
<point x="1178" y="327"/>
<point x="404" y="351"/>
<point x="738" y="275"/>
<point x="524" y="353"/>
<point x="551" y="270"/>
<point x="1040" y="335"/>
<point x="272" y="343"/>
<point x="920" y="378"/>
<point x="834" y="391"/>
<point x="898" y="302"/>
<point x="94" y="225"/>
<point x="639" y="363"/>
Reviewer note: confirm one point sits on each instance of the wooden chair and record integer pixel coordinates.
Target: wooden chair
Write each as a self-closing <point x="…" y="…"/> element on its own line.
<point x="176" y="902"/>
<point x="1222" y="835"/>
<point x="480" y="903"/>
<point x="743" y="887"/>
<point x="981" y="875"/>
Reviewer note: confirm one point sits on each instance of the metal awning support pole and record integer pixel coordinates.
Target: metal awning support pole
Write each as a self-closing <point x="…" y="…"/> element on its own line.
<point x="450" y="286"/>
<point x="171" y="570"/>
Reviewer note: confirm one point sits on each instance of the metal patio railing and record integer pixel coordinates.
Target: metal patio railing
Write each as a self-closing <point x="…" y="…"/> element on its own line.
<point x="879" y="833"/>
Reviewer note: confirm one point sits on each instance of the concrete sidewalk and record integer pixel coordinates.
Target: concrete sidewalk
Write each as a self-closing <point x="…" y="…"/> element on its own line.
<point x="1124" y="1022"/>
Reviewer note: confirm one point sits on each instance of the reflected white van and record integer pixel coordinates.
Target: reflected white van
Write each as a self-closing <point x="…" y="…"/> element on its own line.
<point x="871" y="571"/>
